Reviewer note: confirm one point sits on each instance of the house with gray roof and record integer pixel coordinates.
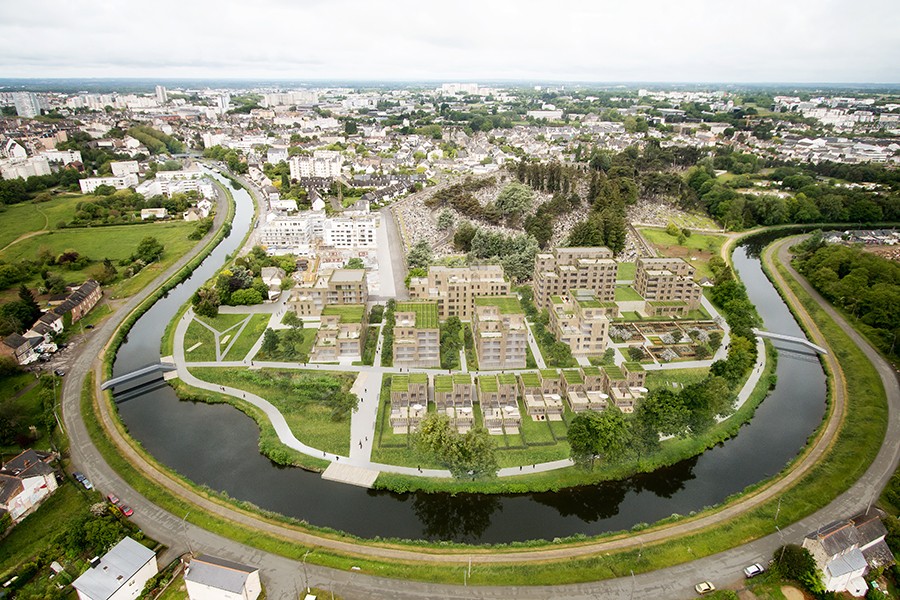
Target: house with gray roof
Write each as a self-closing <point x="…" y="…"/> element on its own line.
<point x="121" y="574"/>
<point x="212" y="578"/>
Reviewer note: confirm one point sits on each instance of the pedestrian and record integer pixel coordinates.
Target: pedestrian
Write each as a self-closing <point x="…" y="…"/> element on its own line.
<point x="420" y="468"/>
<point x="520" y="467"/>
<point x="534" y="466"/>
<point x="323" y="453"/>
<point x="360" y="444"/>
<point x="367" y="438"/>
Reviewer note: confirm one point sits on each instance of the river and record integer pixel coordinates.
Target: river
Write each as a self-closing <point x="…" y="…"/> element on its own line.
<point x="216" y="446"/>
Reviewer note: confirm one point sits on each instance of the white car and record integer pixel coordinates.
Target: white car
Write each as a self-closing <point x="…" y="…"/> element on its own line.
<point x="754" y="570"/>
<point x="705" y="587"/>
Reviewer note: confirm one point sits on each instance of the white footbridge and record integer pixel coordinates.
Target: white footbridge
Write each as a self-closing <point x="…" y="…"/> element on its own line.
<point x="791" y="339"/>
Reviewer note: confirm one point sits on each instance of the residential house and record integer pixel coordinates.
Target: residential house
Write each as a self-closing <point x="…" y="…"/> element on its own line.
<point x="154" y="213"/>
<point x="25" y="482"/>
<point x="120" y="574"/>
<point x="80" y="301"/>
<point x="498" y="397"/>
<point x="453" y="396"/>
<point x="21" y="349"/>
<point x="417" y="335"/>
<point x="409" y="401"/>
<point x="341" y="335"/>
<point x="212" y="578"/>
<point x="272" y="277"/>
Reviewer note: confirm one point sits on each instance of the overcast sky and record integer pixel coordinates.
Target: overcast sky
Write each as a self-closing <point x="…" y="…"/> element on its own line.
<point x="562" y="40"/>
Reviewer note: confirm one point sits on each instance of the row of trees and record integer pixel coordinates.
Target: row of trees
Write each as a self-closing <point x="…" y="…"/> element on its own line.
<point x="472" y="454"/>
<point x="156" y="141"/>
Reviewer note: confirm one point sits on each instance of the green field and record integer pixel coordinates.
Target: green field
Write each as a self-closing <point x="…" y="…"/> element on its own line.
<point x="302" y="349"/>
<point x="680" y="377"/>
<point x="626" y="271"/>
<point x="699" y="246"/>
<point x="626" y="293"/>
<point x="28" y="217"/>
<point x="115" y="243"/>
<point x="291" y="393"/>
<point x="251" y="333"/>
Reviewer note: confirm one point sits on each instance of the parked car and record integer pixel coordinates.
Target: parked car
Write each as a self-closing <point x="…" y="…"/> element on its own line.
<point x="705" y="587"/>
<point x="87" y="484"/>
<point x="754" y="570"/>
<point x="59" y="372"/>
<point x="113" y="499"/>
<point x="78" y="476"/>
<point x="127" y="510"/>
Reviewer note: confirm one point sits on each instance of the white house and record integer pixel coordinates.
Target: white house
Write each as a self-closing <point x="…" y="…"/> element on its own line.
<point x="124" y="167"/>
<point x="153" y="213"/>
<point x="277" y="154"/>
<point x="13" y="149"/>
<point x="120" y="183"/>
<point x="25" y="481"/>
<point x="211" y="578"/>
<point x="24" y="168"/>
<point x="121" y="574"/>
<point x="323" y="163"/>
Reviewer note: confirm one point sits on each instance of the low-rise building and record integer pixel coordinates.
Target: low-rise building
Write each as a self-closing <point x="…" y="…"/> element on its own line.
<point x="409" y="401"/>
<point x="120" y="168"/>
<point x="21" y="349"/>
<point x="591" y="268"/>
<point x="339" y="287"/>
<point x="120" y="574"/>
<point x="212" y="578"/>
<point x="25" y="482"/>
<point x="455" y="288"/>
<point x="154" y="213"/>
<point x="417" y="335"/>
<point x="500" y="333"/>
<point x="89" y="185"/>
<point x="580" y="321"/>
<point x="498" y="397"/>
<point x="341" y="335"/>
<point x="453" y="397"/>
<point x="667" y="285"/>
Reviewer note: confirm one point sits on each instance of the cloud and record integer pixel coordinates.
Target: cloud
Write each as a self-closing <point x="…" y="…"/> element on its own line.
<point x="642" y="40"/>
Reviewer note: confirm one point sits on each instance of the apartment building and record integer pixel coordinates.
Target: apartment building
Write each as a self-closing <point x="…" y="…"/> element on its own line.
<point x="541" y="395"/>
<point x="498" y="397"/>
<point x="120" y="183"/>
<point x="580" y="321"/>
<point x="341" y="335"/>
<point x="500" y="334"/>
<point x="305" y="232"/>
<point x="668" y="286"/>
<point x="323" y="163"/>
<point x="563" y="269"/>
<point x="455" y="288"/>
<point x="409" y="401"/>
<point x="337" y="288"/>
<point x="417" y="335"/>
<point x="625" y="385"/>
<point x="453" y="397"/>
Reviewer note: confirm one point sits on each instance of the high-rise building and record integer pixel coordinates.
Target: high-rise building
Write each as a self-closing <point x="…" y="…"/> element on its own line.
<point x="161" y="95"/>
<point x="500" y="333"/>
<point x="455" y="288"/>
<point x="27" y="104"/>
<point x="668" y="286"/>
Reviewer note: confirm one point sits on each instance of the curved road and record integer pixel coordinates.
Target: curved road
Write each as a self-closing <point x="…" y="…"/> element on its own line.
<point x="284" y="577"/>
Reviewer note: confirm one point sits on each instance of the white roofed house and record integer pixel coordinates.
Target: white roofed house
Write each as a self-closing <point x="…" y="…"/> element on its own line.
<point x="120" y="574"/>
<point x="212" y="578"/>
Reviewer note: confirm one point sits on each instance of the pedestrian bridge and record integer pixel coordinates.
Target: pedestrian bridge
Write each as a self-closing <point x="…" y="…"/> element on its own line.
<point x="137" y="374"/>
<point x="790" y="338"/>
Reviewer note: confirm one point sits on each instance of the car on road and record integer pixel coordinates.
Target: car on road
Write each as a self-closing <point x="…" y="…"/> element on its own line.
<point x="113" y="499"/>
<point x="59" y="372"/>
<point x="126" y="510"/>
<point x="704" y="587"/>
<point x="87" y="484"/>
<point x="754" y="570"/>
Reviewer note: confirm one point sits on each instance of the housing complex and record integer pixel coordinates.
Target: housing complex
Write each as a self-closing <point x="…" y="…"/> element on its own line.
<point x="580" y="321"/>
<point x="409" y="401"/>
<point x="667" y="285"/>
<point x="337" y="288"/>
<point x="341" y="335"/>
<point x="563" y="269"/>
<point x="455" y="288"/>
<point x="454" y="397"/>
<point x="417" y="336"/>
<point x="500" y="333"/>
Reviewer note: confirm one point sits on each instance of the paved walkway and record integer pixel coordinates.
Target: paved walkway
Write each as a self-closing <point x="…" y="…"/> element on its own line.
<point x="535" y="349"/>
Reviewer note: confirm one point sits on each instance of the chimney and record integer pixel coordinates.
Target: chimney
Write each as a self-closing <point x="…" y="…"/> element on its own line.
<point x="94" y="562"/>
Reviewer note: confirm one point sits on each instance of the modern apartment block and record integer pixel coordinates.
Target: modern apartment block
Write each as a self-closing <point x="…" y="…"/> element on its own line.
<point x="667" y="285"/>
<point x="501" y="336"/>
<point x="453" y="397"/>
<point x="409" y="401"/>
<point x="597" y="388"/>
<point x="340" y="287"/>
<point x="580" y="321"/>
<point x="417" y="336"/>
<point x="455" y="288"/>
<point x="498" y="397"/>
<point x="341" y="335"/>
<point x="590" y="268"/>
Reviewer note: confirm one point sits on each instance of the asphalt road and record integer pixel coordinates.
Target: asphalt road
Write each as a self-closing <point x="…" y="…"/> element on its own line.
<point x="284" y="578"/>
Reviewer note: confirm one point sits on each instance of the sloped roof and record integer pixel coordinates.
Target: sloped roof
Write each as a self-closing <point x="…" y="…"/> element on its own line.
<point x="836" y="537"/>
<point x="219" y="573"/>
<point x="9" y="487"/>
<point x="114" y="570"/>
<point x="846" y="563"/>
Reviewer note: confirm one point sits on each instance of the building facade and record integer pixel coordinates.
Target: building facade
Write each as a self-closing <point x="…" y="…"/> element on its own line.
<point x="417" y="335"/>
<point x="580" y="321"/>
<point x="667" y="280"/>
<point x="340" y="287"/>
<point x="455" y="288"/>
<point x="591" y="268"/>
<point x="500" y="333"/>
<point x="120" y="183"/>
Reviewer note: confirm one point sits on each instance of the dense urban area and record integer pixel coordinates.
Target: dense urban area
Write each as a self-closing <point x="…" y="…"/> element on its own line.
<point x="452" y="290"/>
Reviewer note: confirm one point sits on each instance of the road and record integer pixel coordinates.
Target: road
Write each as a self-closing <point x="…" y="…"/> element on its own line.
<point x="284" y="577"/>
<point x="388" y="232"/>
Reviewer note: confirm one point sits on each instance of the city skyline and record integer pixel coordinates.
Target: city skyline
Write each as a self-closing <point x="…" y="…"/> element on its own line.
<point x="805" y="42"/>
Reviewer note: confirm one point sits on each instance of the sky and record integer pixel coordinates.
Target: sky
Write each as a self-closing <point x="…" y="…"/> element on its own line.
<point x="798" y="41"/>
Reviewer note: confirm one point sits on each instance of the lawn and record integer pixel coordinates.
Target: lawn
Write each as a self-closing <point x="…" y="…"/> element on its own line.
<point x="251" y="333"/>
<point x="348" y="313"/>
<point x="697" y="249"/>
<point x="19" y="219"/>
<point x="681" y="377"/>
<point x="115" y="243"/>
<point x="426" y="313"/>
<point x="508" y="305"/>
<point x="298" y="396"/>
<point x="24" y="410"/>
<point x="626" y="293"/>
<point x="626" y="271"/>
<point x="223" y="321"/>
<point x="198" y="334"/>
<point x="299" y="351"/>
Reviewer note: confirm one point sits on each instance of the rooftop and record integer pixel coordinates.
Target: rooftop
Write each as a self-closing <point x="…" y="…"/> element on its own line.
<point x="573" y="376"/>
<point x="487" y="383"/>
<point x="614" y="372"/>
<point x="349" y="313"/>
<point x="506" y="379"/>
<point x="508" y="305"/>
<point x="426" y="313"/>
<point x="348" y="276"/>
<point x="592" y="370"/>
<point x="549" y="374"/>
<point x="530" y="380"/>
<point x="114" y="570"/>
<point x="218" y="573"/>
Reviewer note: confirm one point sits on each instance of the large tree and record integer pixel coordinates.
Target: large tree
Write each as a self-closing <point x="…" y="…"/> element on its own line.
<point x="599" y="436"/>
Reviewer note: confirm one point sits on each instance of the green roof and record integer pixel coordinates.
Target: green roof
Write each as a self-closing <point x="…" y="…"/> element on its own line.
<point x="418" y="378"/>
<point x="614" y="372"/>
<point x="530" y="380"/>
<point x="666" y="302"/>
<point x="549" y="374"/>
<point x="506" y="379"/>
<point x="594" y="303"/>
<point x="487" y="383"/>
<point x="462" y="379"/>
<point x="426" y="313"/>
<point x="573" y="376"/>
<point x="508" y="305"/>
<point x="593" y="371"/>
<point x="443" y="383"/>
<point x="399" y="383"/>
<point x="634" y="366"/>
<point x="556" y="300"/>
<point x="349" y="313"/>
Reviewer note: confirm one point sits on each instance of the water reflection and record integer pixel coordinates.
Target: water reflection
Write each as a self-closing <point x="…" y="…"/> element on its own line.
<point x="462" y="517"/>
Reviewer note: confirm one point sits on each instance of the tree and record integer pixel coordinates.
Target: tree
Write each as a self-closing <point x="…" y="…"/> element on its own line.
<point x="420" y="255"/>
<point x="470" y="455"/>
<point x="514" y="200"/>
<point x="355" y="263"/>
<point x="465" y="233"/>
<point x="31" y="310"/>
<point x="795" y="562"/>
<point x="148" y="250"/>
<point x="663" y="412"/>
<point x="598" y="435"/>
<point x="270" y="342"/>
<point x="292" y="320"/>
<point x="445" y="220"/>
<point x="636" y="353"/>
<point x="246" y="297"/>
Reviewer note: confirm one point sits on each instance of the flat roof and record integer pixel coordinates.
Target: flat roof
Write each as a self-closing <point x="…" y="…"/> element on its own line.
<point x="426" y="313"/>
<point x="487" y="383"/>
<point x="530" y="380"/>
<point x="349" y="313"/>
<point x="508" y="305"/>
<point x="348" y="275"/>
<point x="613" y="372"/>
<point x="573" y="376"/>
